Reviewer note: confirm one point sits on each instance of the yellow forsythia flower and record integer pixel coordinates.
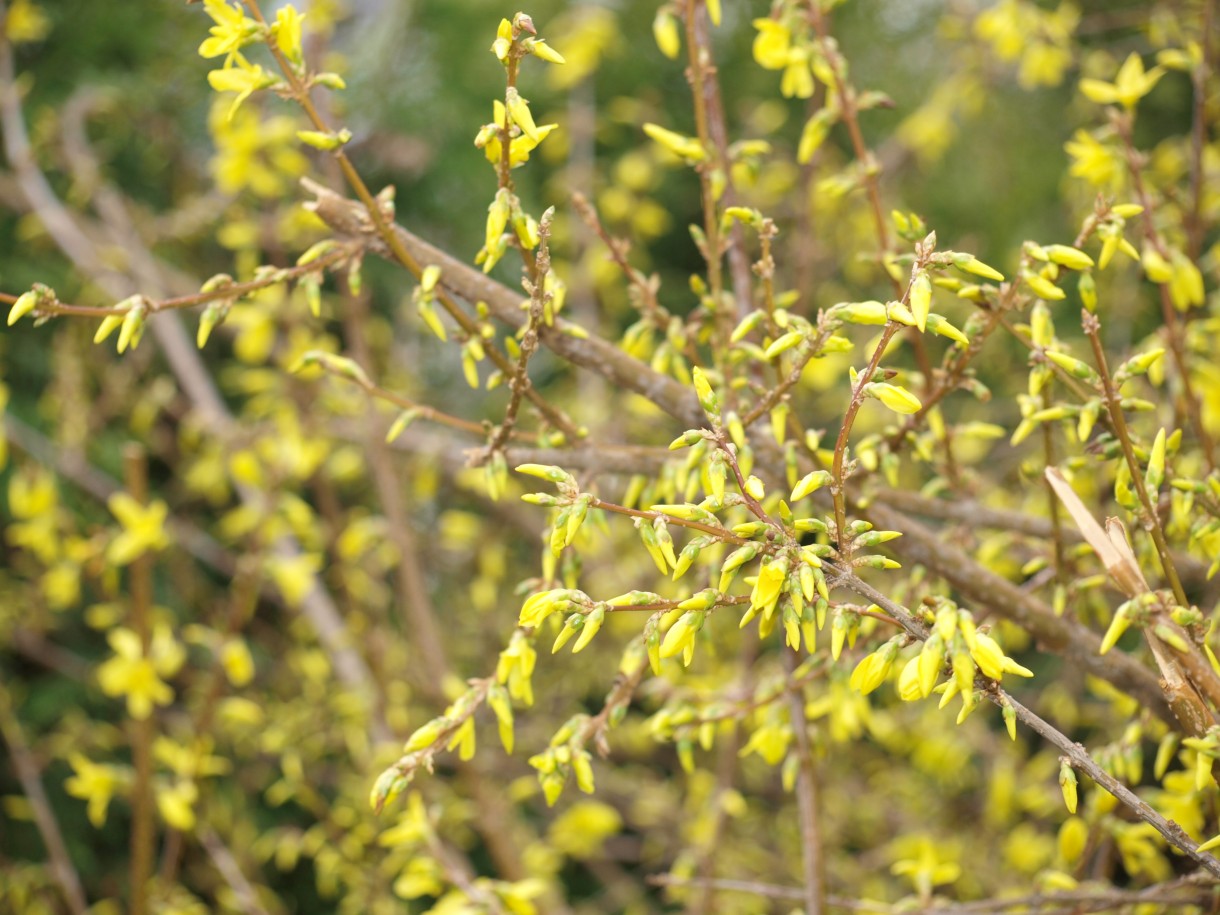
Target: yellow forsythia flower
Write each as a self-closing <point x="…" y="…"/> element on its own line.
<point x="1130" y="85"/>
<point x="771" y="44"/>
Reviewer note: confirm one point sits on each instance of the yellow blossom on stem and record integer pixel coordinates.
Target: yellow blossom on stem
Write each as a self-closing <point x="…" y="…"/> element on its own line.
<point x="797" y="78"/>
<point x="138" y="677"/>
<point x="1131" y="84"/>
<point x="681" y="635"/>
<point x="245" y="79"/>
<point x="909" y="687"/>
<point x="143" y="528"/>
<point x="687" y="148"/>
<point x="232" y="30"/>
<point x="666" y="33"/>
<point x="287" y="32"/>
<point x="95" y="783"/>
<point x="896" y="397"/>
<point x="1067" y="784"/>
<point x="874" y="668"/>
<point x="771" y="44"/>
<point x="176" y="804"/>
<point x="1092" y="160"/>
<point x="768" y="586"/>
<point x="516" y="666"/>
<point x="519" y="110"/>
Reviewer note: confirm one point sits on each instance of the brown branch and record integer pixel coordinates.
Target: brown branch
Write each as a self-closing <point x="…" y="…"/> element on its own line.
<point x="519" y="381"/>
<point x="1151" y="520"/>
<point x="1193" y="890"/>
<point x="173" y="303"/>
<point x="349" y="218"/>
<point x="26" y="769"/>
<point x="697" y="63"/>
<point x="135" y="473"/>
<point x="807" y="791"/>
<point x="838" y="483"/>
<point x="977" y="515"/>
<point x="1080" y="758"/>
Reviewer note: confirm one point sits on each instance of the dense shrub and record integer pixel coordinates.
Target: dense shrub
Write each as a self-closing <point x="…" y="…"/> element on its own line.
<point x="830" y="388"/>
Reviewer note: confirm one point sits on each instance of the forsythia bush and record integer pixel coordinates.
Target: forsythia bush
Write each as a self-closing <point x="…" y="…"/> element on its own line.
<point x="806" y="558"/>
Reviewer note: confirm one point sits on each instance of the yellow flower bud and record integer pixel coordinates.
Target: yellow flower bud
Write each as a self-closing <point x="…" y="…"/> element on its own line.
<point x="755" y="488"/>
<point x="909" y="688"/>
<point x="1156" y="268"/>
<point x="897" y="398"/>
<point x="771" y="44"/>
<point x="539" y="48"/>
<point x="593" y="624"/>
<point x="921" y="300"/>
<point x="1067" y="256"/>
<point x="810" y="483"/>
<point x="685" y="147"/>
<point x="988" y="656"/>
<point x="1067" y="784"/>
<point x="498" y="214"/>
<point x="25" y="303"/>
<point x="666" y="33"/>
<point x="519" y="110"/>
<point x="1156" y="464"/>
<point x="1044" y="288"/>
<point x="107" y="327"/>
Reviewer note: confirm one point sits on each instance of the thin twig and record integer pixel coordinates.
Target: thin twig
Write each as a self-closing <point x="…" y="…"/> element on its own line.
<point x="838" y="487"/>
<point x="1174" y="330"/>
<point x="230" y="291"/>
<point x="135" y="474"/>
<point x="697" y="62"/>
<point x="519" y="380"/>
<point x="1113" y="401"/>
<point x="1186" y="891"/>
<point x="727" y="749"/>
<point x="1195" y="226"/>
